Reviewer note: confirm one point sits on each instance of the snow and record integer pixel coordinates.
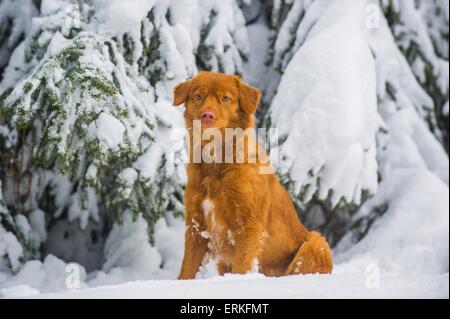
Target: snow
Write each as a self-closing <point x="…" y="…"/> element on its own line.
<point x="49" y="7"/>
<point x="290" y="24"/>
<point x="412" y="267"/>
<point x="446" y="109"/>
<point x="57" y="43"/>
<point x="256" y="72"/>
<point x="122" y="249"/>
<point x="129" y="176"/>
<point x="51" y="274"/>
<point x="22" y="291"/>
<point x="118" y="16"/>
<point x="411" y="17"/>
<point x="37" y="223"/>
<point x="326" y="108"/>
<point x="149" y="162"/>
<point x="412" y="145"/>
<point x="133" y="266"/>
<point x="227" y="35"/>
<point x="110" y="130"/>
<point x="240" y="287"/>
<point x="129" y="257"/>
<point x="413" y="235"/>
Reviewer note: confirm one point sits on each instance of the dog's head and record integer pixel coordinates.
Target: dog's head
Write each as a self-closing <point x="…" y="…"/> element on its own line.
<point x="218" y="101"/>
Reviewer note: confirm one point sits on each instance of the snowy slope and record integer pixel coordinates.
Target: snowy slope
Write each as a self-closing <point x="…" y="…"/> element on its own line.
<point x="363" y="276"/>
<point x="256" y="286"/>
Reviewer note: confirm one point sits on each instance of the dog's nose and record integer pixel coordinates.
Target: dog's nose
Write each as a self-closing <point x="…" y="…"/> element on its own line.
<point x="207" y="116"/>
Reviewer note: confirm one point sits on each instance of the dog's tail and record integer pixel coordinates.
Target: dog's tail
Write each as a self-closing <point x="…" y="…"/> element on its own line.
<point x="313" y="257"/>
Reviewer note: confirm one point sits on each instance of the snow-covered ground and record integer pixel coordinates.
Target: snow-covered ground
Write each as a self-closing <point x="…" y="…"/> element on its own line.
<point x="361" y="272"/>
<point x="255" y="286"/>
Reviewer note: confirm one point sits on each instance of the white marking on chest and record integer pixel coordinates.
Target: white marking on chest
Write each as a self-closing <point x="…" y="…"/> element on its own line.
<point x="208" y="207"/>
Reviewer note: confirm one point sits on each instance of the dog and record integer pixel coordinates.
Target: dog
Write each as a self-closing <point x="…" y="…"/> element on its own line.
<point x="243" y="219"/>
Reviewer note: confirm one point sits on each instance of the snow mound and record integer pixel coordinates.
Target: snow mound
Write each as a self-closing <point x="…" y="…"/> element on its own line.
<point x="127" y="246"/>
<point x="412" y="237"/>
<point x="36" y="277"/>
<point x="326" y="110"/>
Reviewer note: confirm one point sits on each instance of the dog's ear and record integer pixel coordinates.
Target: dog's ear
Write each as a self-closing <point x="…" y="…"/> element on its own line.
<point x="249" y="97"/>
<point x="181" y="93"/>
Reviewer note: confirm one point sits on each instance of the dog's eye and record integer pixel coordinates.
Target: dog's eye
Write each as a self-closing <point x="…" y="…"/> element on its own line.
<point x="226" y="99"/>
<point x="199" y="97"/>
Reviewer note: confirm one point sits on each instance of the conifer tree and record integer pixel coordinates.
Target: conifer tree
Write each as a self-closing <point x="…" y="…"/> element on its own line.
<point x="86" y="118"/>
<point x="421" y="32"/>
<point x="401" y="85"/>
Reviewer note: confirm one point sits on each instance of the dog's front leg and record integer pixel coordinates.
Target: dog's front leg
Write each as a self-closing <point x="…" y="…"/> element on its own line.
<point x="195" y="249"/>
<point x="247" y="248"/>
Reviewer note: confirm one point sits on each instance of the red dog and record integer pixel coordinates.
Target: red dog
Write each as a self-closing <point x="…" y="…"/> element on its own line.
<point x="242" y="218"/>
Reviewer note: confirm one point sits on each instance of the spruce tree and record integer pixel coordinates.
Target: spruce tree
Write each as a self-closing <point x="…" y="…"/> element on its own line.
<point x="410" y="142"/>
<point x="86" y="117"/>
<point x="421" y="32"/>
<point x="401" y="85"/>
